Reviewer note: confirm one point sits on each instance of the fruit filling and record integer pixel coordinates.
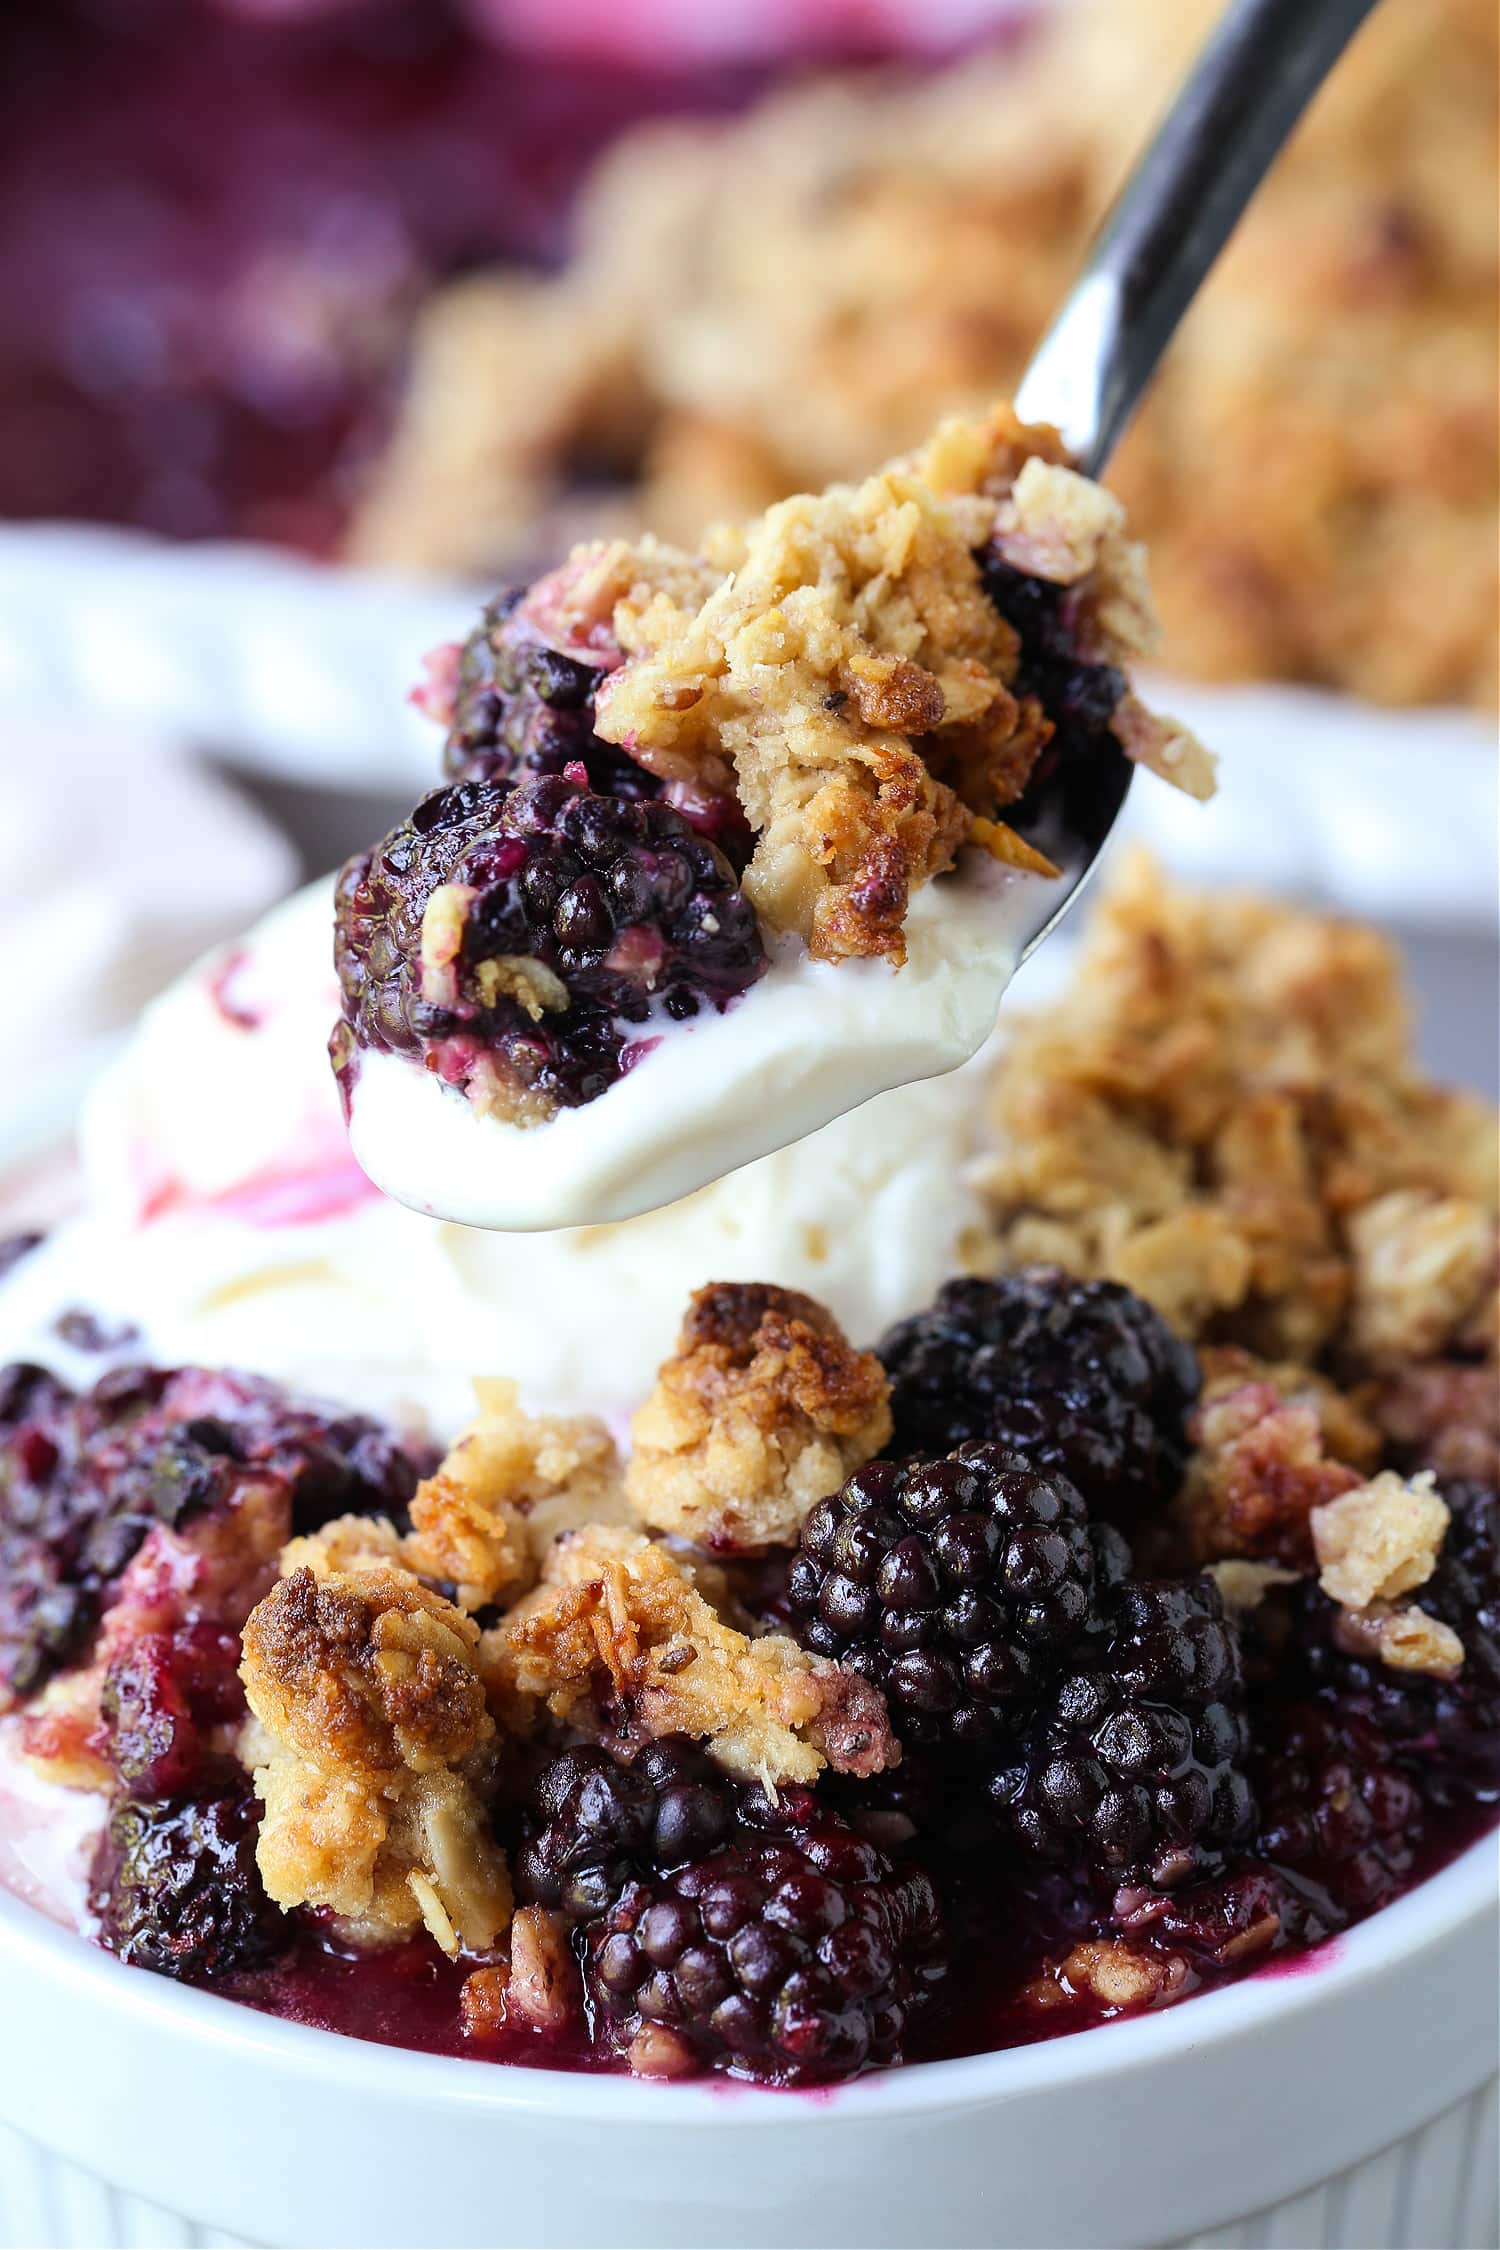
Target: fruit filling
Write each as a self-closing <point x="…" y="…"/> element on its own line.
<point x="1107" y="1630"/>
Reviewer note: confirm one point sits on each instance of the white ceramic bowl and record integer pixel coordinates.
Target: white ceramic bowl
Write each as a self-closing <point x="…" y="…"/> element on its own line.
<point x="1346" y="2103"/>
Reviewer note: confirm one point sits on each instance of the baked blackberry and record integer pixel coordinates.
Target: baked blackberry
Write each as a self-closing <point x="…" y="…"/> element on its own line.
<point x="1448" y="1729"/>
<point x="565" y="924"/>
<point x="163" y="1697"/>
<point x="521" y="709"/>
<point x="1335" y="1807"/>
<point x="176" y="1887"/>
<point x="1137" y="1767"/>
<point x="958" y="1586"/>
<point x="1082" y="1377"/>
<point x="795" y="1953"/>
<point x="603" y="1822"/>
<point x="1076" y="696"/>
<point x="84" y="1477"/>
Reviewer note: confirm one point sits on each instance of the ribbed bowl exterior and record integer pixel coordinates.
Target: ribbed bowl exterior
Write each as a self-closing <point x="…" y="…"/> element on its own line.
<point x="1438" y="2189"/>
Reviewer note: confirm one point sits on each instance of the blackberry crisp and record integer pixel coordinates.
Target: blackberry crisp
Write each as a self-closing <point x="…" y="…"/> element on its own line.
<point x="958" y="1586"/>
<point x="520" y="940"/>
<point x="1082" y="1377"/>
<point x="604" y="1822"/>
<point x="176" y="1887"/>
<point x="793" y="1954"/>
<point x="1136" y="1768"/>
<point x="1076" y="697"/>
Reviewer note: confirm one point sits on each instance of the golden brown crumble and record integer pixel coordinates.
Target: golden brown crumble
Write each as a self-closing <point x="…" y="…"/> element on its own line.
<point x="839" y="659"/>
<point x="1108" y="1972"/>
<point x="372" y="1749"/>
<point x="619" y="1641"/>
<point x="792" y="297"/>
<point x="1219" y="1114"/>
<point x="763" y="1410"/>
<point x="507" y="1486"/>
<point x="538" y="1988"/>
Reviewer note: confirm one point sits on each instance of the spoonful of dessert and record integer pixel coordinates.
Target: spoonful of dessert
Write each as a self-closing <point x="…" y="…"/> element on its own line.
<point x="733" y="840"/>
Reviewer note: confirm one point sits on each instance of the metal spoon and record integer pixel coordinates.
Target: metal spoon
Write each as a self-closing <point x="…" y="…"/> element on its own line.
<point x="1261" y="67"/>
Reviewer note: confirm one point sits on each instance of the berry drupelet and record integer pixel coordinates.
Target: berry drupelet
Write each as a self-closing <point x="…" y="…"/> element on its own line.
<point x="1449" y="1729"/>
<point x="520" y="940"/>
<point x="1082" y="1377"/>
<point x="176" y="1887"/>
<point x="1136" y="1767"/>
<point x="958" y="1586"/>
<point x="1335" y="1807"/>
<point x="603" y="1823"/>
<point x="794" y="1954"/>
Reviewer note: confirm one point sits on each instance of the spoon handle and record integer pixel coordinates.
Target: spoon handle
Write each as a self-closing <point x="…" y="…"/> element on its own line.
<point x="1261" y="67"/>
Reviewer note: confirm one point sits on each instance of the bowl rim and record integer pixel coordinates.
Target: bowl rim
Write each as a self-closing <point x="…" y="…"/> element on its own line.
<point x="1455" y="1900"/>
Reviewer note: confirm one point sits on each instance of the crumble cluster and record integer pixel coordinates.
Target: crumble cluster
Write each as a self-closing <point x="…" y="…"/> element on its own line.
<point x="789" y="298"/>
<point x="761" y="1413"/>
<point x="1224" y="1114"/>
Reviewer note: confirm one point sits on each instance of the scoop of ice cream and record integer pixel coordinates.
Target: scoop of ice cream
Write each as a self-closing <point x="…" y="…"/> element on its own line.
<point x="228" y="1221"/>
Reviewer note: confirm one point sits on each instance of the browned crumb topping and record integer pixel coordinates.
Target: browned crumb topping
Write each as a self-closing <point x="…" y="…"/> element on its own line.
<point x="619" y="1641"/>
<point x="1224" y="1114"/>
<point x="507" y="1486"/>
<point x="538" y="1988"/>
<point x="1380" y="1540"/>
<point x="372" y="1745"/>
<point x="763" y="1410"/>
<point x="1270" y="1444"/>
<point x="1110" y="1973"/>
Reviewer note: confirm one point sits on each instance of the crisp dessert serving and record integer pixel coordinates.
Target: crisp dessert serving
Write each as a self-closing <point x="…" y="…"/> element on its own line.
<point x="1121" y="1620"/>
<point x="721" y="854"/>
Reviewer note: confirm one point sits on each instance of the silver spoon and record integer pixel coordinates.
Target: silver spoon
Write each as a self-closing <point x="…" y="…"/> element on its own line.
<point x="1260" y="69"/>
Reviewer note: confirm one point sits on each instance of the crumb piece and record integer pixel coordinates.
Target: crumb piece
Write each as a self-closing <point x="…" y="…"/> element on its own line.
<point x="657" y="2052"/>
<point x="370" y="1750"/>
<point x="764" y="1410"/>
<point x="1402" y="1636"/>
<point x="545" y="1991"/>
<point x="1245" y="1585"/>
<point x="1379" y="1540"/>
<point x="60" y="1731"/>
<point x="503" y="1491"/>
<point x="620" y="1642"/>
<point x="1110" y="1972"/>
<point x="483" y="2009"/>
<point x="1270" y="1445"/>
<point x="1422" y="1266"/>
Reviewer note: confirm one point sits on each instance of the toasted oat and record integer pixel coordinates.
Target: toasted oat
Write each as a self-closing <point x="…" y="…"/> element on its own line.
<point x="1380" y="1540"/>
<point x="620" y="1642"/>
<point x="1223" y="1113"/>
<point x="371" y="1748"/>
<point x="1403" y="1636"/>
<point x="1110" y="1971"/>
<point x="1245" y="1585"/>
<point x="763" y="1410"/>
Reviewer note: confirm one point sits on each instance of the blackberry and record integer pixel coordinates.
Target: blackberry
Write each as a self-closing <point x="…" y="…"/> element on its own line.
<point x="795" y="1953"/>
<point x="958" y="1586"/>
<point x="163" y="1695"/>
<point x="1136" y="1768"/>
<point x="604" y="1823"/>
<point x="522" y="709"/>
<point x="1082" y="1377"/>
<point x="1448" y="1729"/>
<point x="176" y="1887"/>
<point x="85" y="1476"/>
<point x="1335" y="1807"/>
<point x="1077" y="697"/>
<point x="582" y="919"/>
